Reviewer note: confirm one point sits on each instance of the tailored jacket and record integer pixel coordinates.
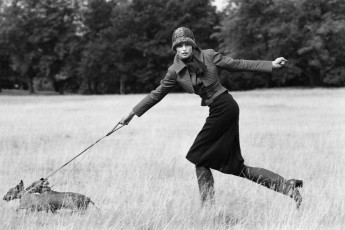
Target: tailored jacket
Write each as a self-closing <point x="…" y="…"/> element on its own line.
<point x="178" y="74"/>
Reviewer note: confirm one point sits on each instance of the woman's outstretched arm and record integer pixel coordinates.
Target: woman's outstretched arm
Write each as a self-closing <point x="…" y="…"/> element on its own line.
<point x="166" y="85"/>
<point x="230" y="64"/>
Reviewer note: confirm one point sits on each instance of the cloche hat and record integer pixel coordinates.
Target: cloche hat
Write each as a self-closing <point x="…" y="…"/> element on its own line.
<point x="182" y="34"/>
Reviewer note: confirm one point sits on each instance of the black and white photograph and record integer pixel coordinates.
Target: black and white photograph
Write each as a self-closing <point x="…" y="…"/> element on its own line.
<point x="172" y="114"/>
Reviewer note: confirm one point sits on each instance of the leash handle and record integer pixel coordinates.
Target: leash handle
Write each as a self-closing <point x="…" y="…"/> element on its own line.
<point x="115" y="129"/>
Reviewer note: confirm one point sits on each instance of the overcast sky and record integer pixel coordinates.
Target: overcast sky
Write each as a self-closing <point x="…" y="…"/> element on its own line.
<point x="220" y="4"/>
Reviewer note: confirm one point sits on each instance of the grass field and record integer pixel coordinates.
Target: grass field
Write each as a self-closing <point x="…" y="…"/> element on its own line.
<point x="140" y="179"/>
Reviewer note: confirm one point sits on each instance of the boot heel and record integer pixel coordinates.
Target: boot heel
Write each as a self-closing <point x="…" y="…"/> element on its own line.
<point x="294" y="183"/>
<point x="291" y="190"/>
<point x="299" y="184"/>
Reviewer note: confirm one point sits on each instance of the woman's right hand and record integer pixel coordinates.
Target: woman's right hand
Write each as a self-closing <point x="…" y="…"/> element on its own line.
<point x="126" y="119"/>
<point x="278" y="63"/>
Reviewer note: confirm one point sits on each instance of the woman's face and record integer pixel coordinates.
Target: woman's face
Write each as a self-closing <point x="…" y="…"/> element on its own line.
<point x="184" y="50"/>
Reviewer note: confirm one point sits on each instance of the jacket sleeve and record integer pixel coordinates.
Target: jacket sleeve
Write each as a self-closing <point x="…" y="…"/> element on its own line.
<point x="166" y="85"/>
<point x="231" y="64"/>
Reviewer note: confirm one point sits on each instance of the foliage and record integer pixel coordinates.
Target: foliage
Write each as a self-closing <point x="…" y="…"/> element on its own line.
<point x="124" y="46"/>
<point x="129" y="47"/>
<point x="308" y="33"/>
<point x="96" y="55"/>
<point x="39" y="36"/>
<point x="322" y="49"/>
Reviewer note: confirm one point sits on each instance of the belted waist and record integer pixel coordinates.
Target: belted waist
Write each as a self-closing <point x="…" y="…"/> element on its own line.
<point x="210" y="93"/>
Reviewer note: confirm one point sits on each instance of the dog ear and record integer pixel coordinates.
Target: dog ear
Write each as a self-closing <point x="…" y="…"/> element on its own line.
<point x="44" y="181"/>
<point x="20" y="185"/>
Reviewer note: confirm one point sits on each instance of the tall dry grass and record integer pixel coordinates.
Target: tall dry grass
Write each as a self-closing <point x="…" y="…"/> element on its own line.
<point x="139" y="176"/>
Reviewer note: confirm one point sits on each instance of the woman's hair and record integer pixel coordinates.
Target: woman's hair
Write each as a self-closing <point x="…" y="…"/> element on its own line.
<point x="182" y="35"/>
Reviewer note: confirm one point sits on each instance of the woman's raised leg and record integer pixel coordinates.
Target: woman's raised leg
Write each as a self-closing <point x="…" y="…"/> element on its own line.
<point x="274" y="181"/>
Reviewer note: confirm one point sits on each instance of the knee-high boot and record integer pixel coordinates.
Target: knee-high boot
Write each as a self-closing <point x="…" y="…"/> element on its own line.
<point x="206" y="185"/>
<point x="290" y="188"/>
<point x="275" y="182"/>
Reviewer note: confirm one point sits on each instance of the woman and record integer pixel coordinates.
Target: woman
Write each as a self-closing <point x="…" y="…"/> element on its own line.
<point x="217" y="145"/>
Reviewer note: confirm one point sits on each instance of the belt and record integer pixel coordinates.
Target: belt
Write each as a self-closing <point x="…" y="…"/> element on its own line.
<point x="209" y="101"/>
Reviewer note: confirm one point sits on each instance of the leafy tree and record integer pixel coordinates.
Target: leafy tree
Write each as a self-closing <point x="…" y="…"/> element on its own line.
<point x="322" y="49"/>
<point x="96" y="62"/>
<point x="258" y="29"/>
<point x="133" y="53"/>
<point x="38" y="35"/>
<point x="308" y="33"/>
<point x="157" y="20"/>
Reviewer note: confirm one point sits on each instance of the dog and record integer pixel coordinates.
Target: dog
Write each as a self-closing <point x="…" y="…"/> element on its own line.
<point x="39" y="197"/>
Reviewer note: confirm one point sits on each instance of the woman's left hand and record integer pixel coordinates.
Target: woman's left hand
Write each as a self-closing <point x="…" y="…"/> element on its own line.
<point x="279" y="62"/>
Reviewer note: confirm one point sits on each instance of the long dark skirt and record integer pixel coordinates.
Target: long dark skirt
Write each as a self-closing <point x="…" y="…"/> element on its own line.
<point x="217" y="145"/>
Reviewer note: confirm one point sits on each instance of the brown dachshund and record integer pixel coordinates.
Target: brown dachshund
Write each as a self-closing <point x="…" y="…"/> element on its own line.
<point x="39" y="197"/>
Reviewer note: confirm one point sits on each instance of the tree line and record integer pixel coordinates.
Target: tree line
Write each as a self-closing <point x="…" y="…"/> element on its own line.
<point x="124" y="46"/>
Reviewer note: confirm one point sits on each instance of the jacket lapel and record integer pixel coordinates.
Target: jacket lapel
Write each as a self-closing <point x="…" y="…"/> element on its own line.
<point x="183" y="75"/>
